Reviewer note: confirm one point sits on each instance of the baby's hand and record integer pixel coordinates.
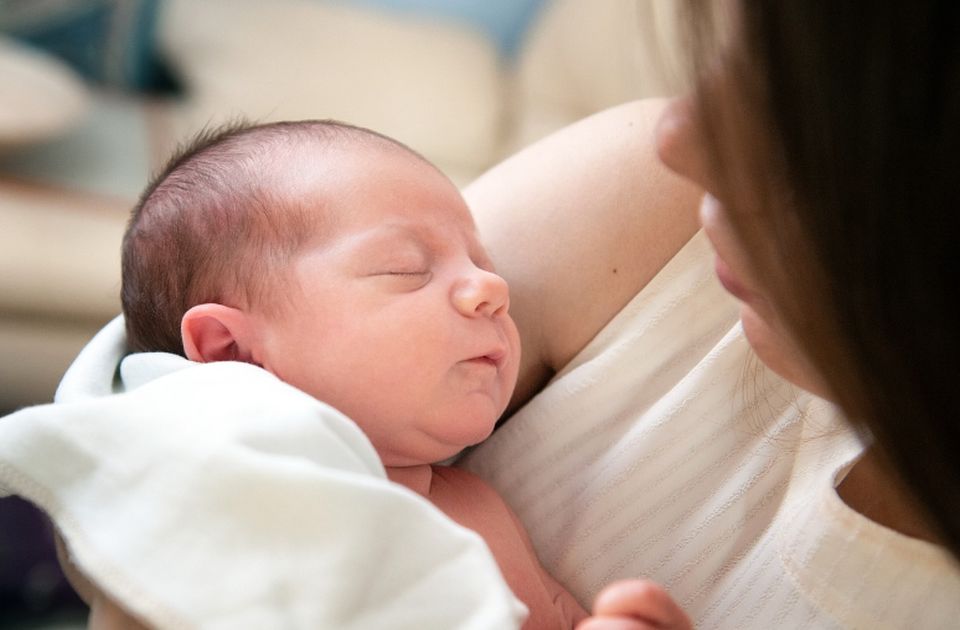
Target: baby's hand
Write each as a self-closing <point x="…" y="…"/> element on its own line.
<point x="635" y="605"/>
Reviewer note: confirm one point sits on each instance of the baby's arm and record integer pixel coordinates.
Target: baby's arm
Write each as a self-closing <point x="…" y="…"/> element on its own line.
<point x="635" y="605"/>
<point x="473" y="503"/>
<point x="569" y="608"/>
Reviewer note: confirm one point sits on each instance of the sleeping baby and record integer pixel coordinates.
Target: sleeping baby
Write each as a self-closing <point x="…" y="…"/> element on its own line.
<point x="348" y="266"/>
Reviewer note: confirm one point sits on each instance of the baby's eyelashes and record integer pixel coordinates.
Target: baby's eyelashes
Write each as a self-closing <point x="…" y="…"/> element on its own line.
<point x="404" y="280"/>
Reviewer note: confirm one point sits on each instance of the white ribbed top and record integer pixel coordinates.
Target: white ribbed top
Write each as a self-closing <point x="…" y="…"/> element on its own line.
<point x="666" y="450"/>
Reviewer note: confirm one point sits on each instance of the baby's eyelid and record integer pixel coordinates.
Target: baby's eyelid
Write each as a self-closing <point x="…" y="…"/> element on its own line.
<point x="408" y="273"/>
<point x="404" y="267"/>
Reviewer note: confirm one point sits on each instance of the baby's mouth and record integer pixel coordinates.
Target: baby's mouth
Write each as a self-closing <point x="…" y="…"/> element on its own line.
<point x="494" y="358"/>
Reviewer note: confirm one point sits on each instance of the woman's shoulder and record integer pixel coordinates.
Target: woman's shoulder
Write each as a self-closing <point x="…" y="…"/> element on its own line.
<point x="578" y="223"/>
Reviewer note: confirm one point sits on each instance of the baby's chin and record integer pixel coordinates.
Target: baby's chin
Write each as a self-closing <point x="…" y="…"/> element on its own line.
<point x="455" y="447"/>
<point x="428" y="448"/>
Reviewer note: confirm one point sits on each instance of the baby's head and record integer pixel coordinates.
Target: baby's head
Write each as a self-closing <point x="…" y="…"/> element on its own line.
<point x="221" y="222"/>
<point x="337" y="259"/>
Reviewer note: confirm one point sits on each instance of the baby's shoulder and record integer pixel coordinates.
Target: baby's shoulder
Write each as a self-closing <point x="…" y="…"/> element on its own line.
<point x="458" y="478"/>
<point x="456" y="488"/>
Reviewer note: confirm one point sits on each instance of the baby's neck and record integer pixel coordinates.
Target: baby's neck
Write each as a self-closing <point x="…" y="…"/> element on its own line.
<point x="416" y="478"/>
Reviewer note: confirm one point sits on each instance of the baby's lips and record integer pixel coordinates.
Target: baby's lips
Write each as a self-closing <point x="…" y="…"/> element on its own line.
<point x="495" y="357"/>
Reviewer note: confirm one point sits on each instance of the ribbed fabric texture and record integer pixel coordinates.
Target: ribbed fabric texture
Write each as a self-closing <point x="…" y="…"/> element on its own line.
<point x="666" y="450"/>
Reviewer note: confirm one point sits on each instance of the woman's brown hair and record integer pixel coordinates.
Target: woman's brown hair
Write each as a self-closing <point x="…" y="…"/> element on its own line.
<point x="835" y="128"/>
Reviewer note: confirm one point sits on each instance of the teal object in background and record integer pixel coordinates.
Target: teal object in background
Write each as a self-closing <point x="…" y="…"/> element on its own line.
<point x="108" y="42"/>
<point x="504" y="21"/>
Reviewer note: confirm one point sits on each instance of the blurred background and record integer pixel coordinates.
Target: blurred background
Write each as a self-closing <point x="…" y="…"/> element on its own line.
<point x="95" y="94"/>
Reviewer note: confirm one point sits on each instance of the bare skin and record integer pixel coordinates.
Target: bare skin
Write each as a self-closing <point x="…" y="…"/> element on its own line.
<point x="635" y="605"/>
<point x="472" y="503"/>
<point x="577" y="224"/>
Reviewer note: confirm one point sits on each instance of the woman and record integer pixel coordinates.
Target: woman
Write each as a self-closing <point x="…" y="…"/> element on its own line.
<point x="826" y="140"/>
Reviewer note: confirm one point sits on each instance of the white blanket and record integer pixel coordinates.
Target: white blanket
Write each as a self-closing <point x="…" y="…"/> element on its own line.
<point x="216" y="496"/>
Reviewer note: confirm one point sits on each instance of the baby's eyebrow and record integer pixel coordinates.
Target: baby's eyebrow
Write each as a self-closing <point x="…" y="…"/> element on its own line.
<point x="426" y="239"/>
<point x="387" y="236"/>
<point x="396" y="232"/>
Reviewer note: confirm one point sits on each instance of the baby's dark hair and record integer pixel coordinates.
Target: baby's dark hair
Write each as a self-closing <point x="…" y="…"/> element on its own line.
<point x="212" y="226"/>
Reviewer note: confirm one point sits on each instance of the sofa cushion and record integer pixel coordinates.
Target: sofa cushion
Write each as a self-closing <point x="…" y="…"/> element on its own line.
<point x="504" y="21"/>
<point x="59" y="252"/>
<point x="41" y="96"/>
<point x="433" y="85"/>
<point x="582" y="57"/>
<point x="60" y="256"/>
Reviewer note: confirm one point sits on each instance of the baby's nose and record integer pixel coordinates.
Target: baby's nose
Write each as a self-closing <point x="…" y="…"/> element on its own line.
<point x="482" y="293"/>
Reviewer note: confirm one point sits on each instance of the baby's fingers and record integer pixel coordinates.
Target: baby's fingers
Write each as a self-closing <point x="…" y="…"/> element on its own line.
<point x="613" y="623"/>
<point x="641" y="600"/>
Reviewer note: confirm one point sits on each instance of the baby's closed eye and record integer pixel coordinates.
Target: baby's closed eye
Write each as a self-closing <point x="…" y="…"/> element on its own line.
<point x="403" y="279"/>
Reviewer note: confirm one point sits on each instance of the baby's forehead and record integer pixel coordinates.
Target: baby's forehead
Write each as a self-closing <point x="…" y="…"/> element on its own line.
<point x="311" y="166"/>
<point x="345" y="147"/>
<point x="351" y="167"/>
<point x="353" y="180"/>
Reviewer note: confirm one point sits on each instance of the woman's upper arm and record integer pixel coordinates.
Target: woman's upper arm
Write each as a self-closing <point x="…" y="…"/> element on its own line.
<point x="578" y="223"/>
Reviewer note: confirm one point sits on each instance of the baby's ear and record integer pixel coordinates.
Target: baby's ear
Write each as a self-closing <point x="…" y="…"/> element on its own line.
<point x="214" y="332"/>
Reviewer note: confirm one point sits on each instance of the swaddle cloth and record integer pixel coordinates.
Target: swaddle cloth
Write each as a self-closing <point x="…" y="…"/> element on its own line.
<point x="216" y="496"/>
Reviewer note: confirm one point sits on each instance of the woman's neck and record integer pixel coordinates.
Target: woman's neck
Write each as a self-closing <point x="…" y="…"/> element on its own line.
<point x="417" y="478"/>
<point x="873" y="491"/>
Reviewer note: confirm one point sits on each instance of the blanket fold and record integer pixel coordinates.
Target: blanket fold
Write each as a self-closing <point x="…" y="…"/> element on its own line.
<point x="216" y="496"/>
